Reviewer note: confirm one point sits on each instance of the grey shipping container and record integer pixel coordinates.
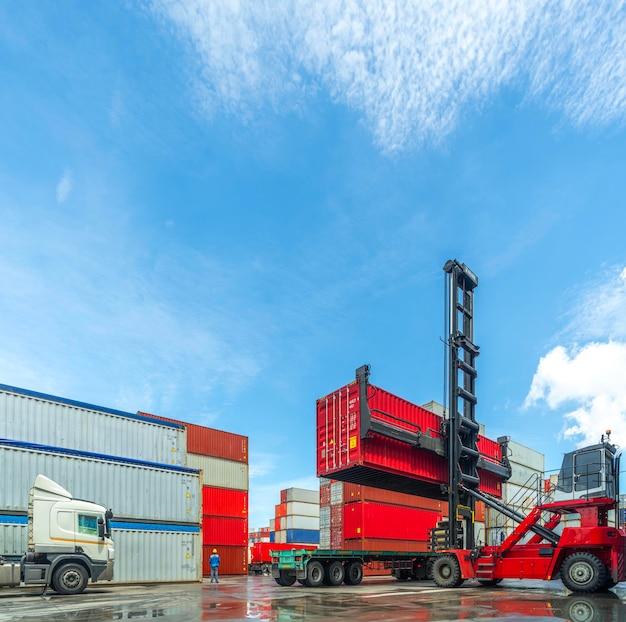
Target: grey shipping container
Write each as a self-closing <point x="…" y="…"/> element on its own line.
<point x="219" y="472"/>
<point x="143" y="555"/>
<point x="13" y="535"/>
<point x="132" y="489"/>
<point x="48" y="420"/>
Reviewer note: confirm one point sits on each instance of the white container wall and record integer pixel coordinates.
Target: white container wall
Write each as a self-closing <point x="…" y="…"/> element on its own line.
<point x="325" y="517"/>
<point x="300" y="522"/>
<point x="303" y="495"/>
<point x="131" y="490"/>
<point x="54" y="421"/>
<point x="13" y="536"/>
<point x="525" y="476"/>
<point x="325" y="538"/>
<point x="303" y="509"/>
<point x="336" y="493"/>
<point x="280" y="537"/>
<point x="142" y="555"/>
<point x="219" y="472"/>
<point x="525" y="456"/>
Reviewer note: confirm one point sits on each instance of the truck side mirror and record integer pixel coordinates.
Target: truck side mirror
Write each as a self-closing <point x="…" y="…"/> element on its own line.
<point x="101" y="528"/>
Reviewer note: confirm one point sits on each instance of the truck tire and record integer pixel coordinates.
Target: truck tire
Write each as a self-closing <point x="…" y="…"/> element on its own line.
<point x="70" y="578"/>
<point x="583" y="572"/>
<point x="334" y="573"/>
<point x="285" y="580"/>
<point x="446" y="571"/>
<point x="314" y="574"/>
<point x="353" y="572"/>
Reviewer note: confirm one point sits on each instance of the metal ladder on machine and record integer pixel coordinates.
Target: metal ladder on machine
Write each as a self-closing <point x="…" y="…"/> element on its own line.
<point x="461" y="427"/>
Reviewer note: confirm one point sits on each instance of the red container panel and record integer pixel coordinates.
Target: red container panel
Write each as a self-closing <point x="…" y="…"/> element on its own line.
<point x="233" y="561"/>
<point x="325" y="494"/>
<point x="260" y="551"/>
<point x="221" y="530"/>
<point x="379" y="461"/>
<point x="281" y="510"/>
<point x="224" y="502"/>
<point x="363" y="519"/>
<point x="283" y="496"/>
<point x="211" y="442"/>
<point x="358" y="492"/>
<point x="385" y="544"/>
<point x="278" y="523"/>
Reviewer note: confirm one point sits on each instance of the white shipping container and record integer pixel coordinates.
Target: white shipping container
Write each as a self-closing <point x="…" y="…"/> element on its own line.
<point x="303" y="495"/>
<point x="325" y="538"/>
<point x="336" y="493"/>
<point x="57" y="422"/>
<point x="520" y="497"/>
<point x="136" y="490"/>
<point x="293" y="521"/>
<point x="142" y="555"/>
<point x="303" y="509"/>
<point x="13" y="536"/>
<point x="280" y="537"/>
<point x="325" y="517"/>
<point x="522" y="455"/>
<point x="525" y="476"/>
<point x="272" y="524"/>
<point x="219" y="472"/>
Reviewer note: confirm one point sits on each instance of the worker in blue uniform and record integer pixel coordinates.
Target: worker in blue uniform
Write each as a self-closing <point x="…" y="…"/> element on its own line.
<point x="214" y="562"/>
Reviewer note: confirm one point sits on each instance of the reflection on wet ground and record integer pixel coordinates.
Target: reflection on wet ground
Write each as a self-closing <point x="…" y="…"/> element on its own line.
<point x="259" y="598"/>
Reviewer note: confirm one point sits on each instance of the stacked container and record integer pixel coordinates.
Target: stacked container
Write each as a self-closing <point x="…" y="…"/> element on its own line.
<point x="222" y="459"/>
<point x="130" y="463"/>
<point x="525" y="489"/>
<point x="297" y="517"/>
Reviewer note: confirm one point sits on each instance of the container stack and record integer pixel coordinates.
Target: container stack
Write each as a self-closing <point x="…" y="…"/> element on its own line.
<point x="297" y="517"/>
<point x="222" y="459"/>
<point x="128" y="462"/>
<point x="524" y="489"/>
<point x="258" y="535"/>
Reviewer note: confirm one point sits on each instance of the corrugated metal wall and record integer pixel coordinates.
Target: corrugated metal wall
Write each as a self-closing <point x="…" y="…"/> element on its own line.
<point x="143" y="555"/>
<point x="13" y="535"/>
<point x="139" y="491"/>
<point x="219" y="472"/>
<point x="49" y="420"/>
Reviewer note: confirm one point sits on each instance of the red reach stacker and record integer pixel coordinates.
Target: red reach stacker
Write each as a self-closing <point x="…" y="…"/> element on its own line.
<point x="574" y="533"/>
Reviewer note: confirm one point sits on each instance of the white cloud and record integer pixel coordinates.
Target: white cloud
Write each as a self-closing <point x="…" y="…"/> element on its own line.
<point x="64" y="188"/>
<point x="411" y="69"/>
<point x="586" y="382"/>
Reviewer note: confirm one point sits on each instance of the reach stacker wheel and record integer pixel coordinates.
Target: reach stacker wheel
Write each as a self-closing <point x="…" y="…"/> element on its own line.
<point x="353" y="573"/>
<point x="446" y="571"/>
<point x="583" y="572"/>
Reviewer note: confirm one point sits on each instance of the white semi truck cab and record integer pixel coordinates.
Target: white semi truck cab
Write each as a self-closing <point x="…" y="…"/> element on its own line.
<point x="69" y="542"/>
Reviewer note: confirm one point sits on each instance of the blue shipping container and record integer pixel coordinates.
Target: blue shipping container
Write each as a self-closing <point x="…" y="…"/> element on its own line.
<point x="272" y="536"/>
<point x="303" y="536"/>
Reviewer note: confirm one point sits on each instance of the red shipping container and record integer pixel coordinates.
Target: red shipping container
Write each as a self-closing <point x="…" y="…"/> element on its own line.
<point x="380" y="461"/>
<point x="277" y="524"/>
<point x="363" y="519"/>
<point x="281" y="510"/>
<point x="233" y="560"/>
<point x="325" y="494"/>
<point x="224" y="502"/>
<point x="383" y="544"/>
<point x="260" y="551"/>
<point x="210" y="442"/>
<point x="283" y="496"/>
<point x="358" y="492"/>
<point x="221" y="530"/>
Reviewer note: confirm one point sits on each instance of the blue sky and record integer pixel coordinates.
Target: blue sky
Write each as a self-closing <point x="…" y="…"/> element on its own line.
<point x="217" y="211"/>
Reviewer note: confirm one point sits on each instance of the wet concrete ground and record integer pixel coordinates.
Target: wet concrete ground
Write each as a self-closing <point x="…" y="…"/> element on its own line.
<point x="260" y="598"/>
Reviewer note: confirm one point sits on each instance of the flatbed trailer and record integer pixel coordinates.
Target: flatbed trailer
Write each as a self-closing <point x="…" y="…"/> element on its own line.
<point x="333" y="567"/>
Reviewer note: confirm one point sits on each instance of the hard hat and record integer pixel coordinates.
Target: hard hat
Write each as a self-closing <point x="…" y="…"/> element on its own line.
<point x="215" y="550"/>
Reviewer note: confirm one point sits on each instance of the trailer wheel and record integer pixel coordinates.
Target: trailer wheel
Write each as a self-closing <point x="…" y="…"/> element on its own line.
<point x="70" y="579"/>
<point x="314" y="574"/>
<point x="583" y="572"/>
<point x="446" y="571"/>
<point x="334" y="573"/>
<point x="353" y="573"/>
<point x="285" y="580"/>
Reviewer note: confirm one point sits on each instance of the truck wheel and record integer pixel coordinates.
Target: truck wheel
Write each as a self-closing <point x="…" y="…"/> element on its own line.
<point x="446" y="571"/>
<point x="285" y="580"/>
<point x="333" y="575"/>
<point x="583" y="572"/>
<point x="70" y="579"/>
<point x="314" y="574"/>
<point x="265" y="569"/>
<point x="353" y="573"/>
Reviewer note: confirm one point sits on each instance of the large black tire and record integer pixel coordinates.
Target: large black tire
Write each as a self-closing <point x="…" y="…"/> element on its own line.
<point x="285" y="580"/>
<point x="334" y="573"/>
<point x="446" y="571"/>
<point x="70" y="578"/>
<point x="583" y="572"/>
<point x="353" y="573"/>
<point x="314" y="574"/>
